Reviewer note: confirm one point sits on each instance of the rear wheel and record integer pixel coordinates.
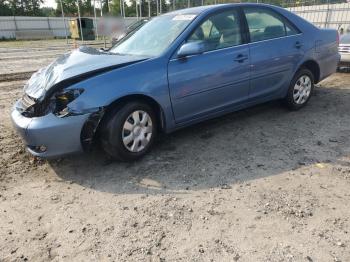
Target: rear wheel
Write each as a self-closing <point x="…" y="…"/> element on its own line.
<point x="300" y="89"/>
<point x="129" y="131"/>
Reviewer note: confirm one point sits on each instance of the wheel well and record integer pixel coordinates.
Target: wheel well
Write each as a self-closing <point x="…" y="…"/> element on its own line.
<point x="314" y="68"/>
<point x="146" y="99"/>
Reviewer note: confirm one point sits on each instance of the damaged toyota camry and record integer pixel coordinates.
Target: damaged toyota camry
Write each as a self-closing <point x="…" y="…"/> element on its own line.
<point x="178" y="69"/>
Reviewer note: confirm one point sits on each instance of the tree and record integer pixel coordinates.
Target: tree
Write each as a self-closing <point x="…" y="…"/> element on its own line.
<point x="70" y="7"/>
<point x="48" y="11"/>
<point x="5" y="8"/>
<point x="21" y="7"/>
<point x="115" y="8"/>
<point x="105" y="6"/>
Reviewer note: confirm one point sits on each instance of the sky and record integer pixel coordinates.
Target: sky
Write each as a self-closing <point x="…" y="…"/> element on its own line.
<point x="49" y="3"/>
<point x="52" y="3"/>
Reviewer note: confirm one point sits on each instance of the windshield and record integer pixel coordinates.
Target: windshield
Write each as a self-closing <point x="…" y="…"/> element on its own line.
<point x="154" y="37"/>
<point x="135" y="25"/>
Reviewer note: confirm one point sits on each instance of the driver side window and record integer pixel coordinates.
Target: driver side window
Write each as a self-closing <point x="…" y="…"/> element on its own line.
<point x="219" y="31"/>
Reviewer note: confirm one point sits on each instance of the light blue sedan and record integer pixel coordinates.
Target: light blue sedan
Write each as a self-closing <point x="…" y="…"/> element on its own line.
<point x="178" y="69"/>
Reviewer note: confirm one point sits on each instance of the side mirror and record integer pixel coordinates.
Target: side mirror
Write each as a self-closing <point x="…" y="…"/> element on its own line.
<point x="191" y="48"/>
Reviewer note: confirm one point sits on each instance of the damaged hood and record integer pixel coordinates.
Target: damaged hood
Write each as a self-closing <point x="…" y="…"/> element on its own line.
<point x="76" y="63"/>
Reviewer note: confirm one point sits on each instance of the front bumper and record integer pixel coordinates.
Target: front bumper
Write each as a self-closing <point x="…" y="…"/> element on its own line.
<point x="60" y="136"/>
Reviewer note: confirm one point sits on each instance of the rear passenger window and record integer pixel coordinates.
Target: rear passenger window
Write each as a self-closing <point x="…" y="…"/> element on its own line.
<point x="265" y="24"/>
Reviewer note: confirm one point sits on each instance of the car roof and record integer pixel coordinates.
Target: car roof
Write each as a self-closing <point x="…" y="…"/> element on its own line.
<point x="200" y="9"/>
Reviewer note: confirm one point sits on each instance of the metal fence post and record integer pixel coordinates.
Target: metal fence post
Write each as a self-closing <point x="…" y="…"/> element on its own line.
<point x="137" y="11"/>
<point x="15" y="23"/>
<point x="140" y="5"/>
<point x="81" y="29"/>
<point x="327" y="15"/>
<point x="96" y="30"/>
<point x="104" y="37"/>
<point x="48" y="24"/>
<point x="64" y="22"/>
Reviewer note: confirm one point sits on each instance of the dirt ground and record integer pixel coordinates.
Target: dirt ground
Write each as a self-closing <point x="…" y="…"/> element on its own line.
<point x="263" y="184"/>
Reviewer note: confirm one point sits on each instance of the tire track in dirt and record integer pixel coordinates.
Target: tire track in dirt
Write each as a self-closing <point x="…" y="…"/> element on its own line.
<point x="16" y="76"/>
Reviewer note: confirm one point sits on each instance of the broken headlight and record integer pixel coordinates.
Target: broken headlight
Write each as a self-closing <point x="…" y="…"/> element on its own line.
<point x="60" y="100"/>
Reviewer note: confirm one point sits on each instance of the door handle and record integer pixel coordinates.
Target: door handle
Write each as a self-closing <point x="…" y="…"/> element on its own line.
<point x="240" y="58"/>
<point x="298" y="45"/>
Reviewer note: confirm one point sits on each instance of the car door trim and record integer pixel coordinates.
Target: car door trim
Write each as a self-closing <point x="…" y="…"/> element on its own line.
<point x="208" y="52"/>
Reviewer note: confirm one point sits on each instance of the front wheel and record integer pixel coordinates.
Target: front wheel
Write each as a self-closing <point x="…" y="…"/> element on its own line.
<point x="129" y="131"/>
<point x="300" y="89"/>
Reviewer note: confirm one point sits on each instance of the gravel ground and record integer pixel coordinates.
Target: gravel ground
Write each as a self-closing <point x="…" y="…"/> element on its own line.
<point x="20" y="59"/>
<point x="263" y="184"/>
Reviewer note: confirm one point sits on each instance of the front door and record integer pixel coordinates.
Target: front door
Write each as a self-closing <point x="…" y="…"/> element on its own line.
<point x="215" y="80"/>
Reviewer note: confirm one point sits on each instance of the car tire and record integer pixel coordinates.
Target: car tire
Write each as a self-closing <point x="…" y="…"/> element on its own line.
<point x="300" y="90"/>
<point x="128" y="131"/>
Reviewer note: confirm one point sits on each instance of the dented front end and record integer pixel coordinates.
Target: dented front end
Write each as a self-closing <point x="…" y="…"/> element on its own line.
<point x="51" y="128"/>
<point x="51" y="116"/>
<point x="49" y="135"/>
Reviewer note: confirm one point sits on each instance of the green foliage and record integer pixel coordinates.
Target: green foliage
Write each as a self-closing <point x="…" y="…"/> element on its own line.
<point x="5" y="8"/>
<point x="48" y="11"/>
<point x="21" y="7"/>
<point x="115" y="7"/>
<point x="32" y="8"/>
<point x="70" y="8"/>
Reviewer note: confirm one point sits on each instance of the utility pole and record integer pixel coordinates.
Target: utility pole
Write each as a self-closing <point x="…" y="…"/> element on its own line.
<point x="160" y="6"/>
<point x="149" y="8"/>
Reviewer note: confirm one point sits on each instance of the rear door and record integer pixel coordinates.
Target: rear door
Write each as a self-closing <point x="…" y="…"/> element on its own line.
<point x="216" y="79"/>
<point x="276" y="48"/>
